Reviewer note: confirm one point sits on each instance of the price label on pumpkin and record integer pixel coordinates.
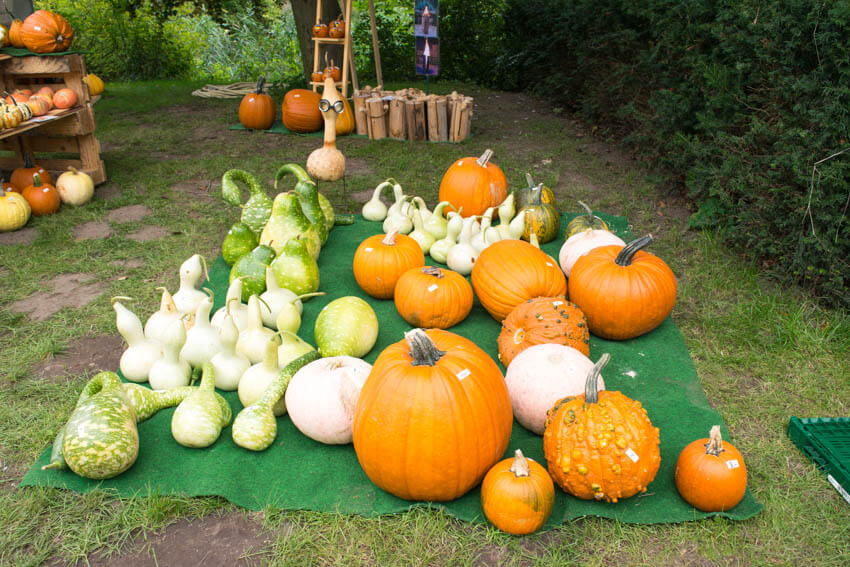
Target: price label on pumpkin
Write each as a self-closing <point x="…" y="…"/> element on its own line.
<point x="733" y="464"/>
<point x="550" y="264"/>
<point x="369" y="249"/>
<point x="432" y="287"/>
<point x="632" y="455"/>
<point x="463" y="374"/>
<point x="557" y="303"/>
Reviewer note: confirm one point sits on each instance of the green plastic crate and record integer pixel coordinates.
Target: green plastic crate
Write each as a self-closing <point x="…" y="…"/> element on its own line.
<point x="826" y="441"/>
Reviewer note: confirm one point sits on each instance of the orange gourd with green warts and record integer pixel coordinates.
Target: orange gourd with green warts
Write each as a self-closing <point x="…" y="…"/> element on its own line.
<point x="710" y="474"/>
<point x="601" y="445"/>
<point x="517" y="495"/>
<point x="543" y="320"/>
<point x="432" y="297"/>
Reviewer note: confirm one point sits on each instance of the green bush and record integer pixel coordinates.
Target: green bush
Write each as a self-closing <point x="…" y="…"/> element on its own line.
<point x="394" y="22"/>
<point x="737" y="100"/>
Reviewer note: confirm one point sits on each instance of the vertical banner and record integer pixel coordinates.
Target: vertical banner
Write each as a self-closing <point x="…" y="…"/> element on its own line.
<point x="425" y="20"/>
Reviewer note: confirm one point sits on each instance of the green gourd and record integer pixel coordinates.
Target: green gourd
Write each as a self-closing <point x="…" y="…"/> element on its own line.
<point x="584" y="221"/>
<point x="541" y="219"/>
<point x="308" y="198"/>
<point x="346" y="326"/>
<point x="239" y="241"/>
<point x="288" y="221"/>
<point x="525" y="195"/>
<point x="257" y="209"/>
<point x="295" y="269"/>
<point x="198" y="420"/>
<point x="252" y="269"/>
<point x="255" y="427"/>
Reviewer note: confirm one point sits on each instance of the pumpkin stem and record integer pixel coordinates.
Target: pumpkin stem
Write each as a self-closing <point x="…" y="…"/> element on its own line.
<point x="520" y="465"/>
<point x="260" y="84"/>
<point x="530" y="181"/>
<point x="306" y="296"/>
<point x="422" y="349"/>
<point x="624" y="258"/>
<point x="591" y="387"/>
<point x="28" y="161"/>
<point x="432" y="271"/>
<point x="485" y="157"/>
<point x="715" y="442"/>
<point x="390" y="238"/>
<point x="36" y="180"/>
<point x="589" y="211"/>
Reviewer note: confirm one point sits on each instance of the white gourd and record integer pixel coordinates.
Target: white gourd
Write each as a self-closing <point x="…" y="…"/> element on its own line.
<point x="141" y="352"/>
<point x="253" y="338"/>
<point x="400" y="198"/>
<point x="583" y="242"/>
<point x="375" y="209"/>
<point x="232" y="305"/>
<point x="322" y="395"/>
<point x="422" y="237"/>
<point x="517" y="225"/>
<point x="171" y="371"/>
<point x="541" y="375"/>
<point x="157" y="324"/>
<point x="291" y="347"/>
<point x="440" y="249"/>
<point x="257" y="378"/>
<point x="202" y="340"/>
<point x="507" y="210"/>
<point x="229" y="365"/>
<point x="273" y="299"/>
<point x="478" y="242"/>
<point x="189" y="295"/>
<point x="436" y="223"/>
<point x="289" y="316"/>
<point x="399" y="220"/>
<point x="462" y="256"/>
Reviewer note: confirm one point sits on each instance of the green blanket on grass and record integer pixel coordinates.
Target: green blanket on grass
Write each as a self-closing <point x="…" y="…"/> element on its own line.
<point x="298" y="473"/>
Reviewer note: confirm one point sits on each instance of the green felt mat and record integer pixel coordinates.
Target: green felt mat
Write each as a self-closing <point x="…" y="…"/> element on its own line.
<point x="298" y="473"/>
<point x="24" y="52"/>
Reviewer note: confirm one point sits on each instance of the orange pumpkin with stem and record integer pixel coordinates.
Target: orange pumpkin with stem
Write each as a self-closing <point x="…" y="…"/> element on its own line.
<point x="476" y="184"/>
<point x="432" y="418"/>
<point x="381" y="260"/>
<point x="432" y="297"/>
<point x="300" y="111"/>
<point x="23" y="177"/>
<point x="601" y="445"/>
<point x="517" y="495"/>
<point x="256" y="111"/>
<point x="43" y="197"/>
<point x="509" y="272"/>
<point x="543" y="320"/>
<point x="44" y="31"/>
<point x="710" y="474"/>
<point x="623" y="291"/>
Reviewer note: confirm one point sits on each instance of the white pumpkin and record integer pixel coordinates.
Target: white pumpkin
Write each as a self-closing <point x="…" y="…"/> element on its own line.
<point x="321" y="397"/>
<point x="541" y="375"/>
<point x="583" y="242"/>
<point x="75" y="187"/>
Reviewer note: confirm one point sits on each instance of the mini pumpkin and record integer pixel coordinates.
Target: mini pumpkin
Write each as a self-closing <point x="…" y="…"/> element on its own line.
<point x="584" y="221"/>
<point x="476" y="184"/>
<point x="541" y="219"/>
<point x="23" y="177"/>
<point x="517" y="495"/>
<point x="43" y="197"/>
<point x="525" y="196"/>
<point x="381" y="260"/>
<point x="14" y="210"/>
<point x="337" y="27"/>
<point x="509" y="272"/>
<point x="710" y="474"/>
<point x="601" y="445"/>
<point x="15" y="33"/>
<point x="256" y="111"/>
<point x="64" y="98"/>
<point x="543" y="320"/>
<point x="623" y="291"/>
<point x="432" y="297"/>
<point x="320" y="30"/>
<point x="331" y="71"/>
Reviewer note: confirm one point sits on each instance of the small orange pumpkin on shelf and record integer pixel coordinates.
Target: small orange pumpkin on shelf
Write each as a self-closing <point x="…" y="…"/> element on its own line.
<point x="320" y="30"/>
<point x="432" y="297"/>
<point x="382" y="259"/>
<point x="256" y="111"/>
<point x="517" y="495"/>
<point x="331" y="70"/>
<point x="15" y="33"/>
<point x="710" y="474"/>
<point x="64" y="98"/>
<point x="543" y="320"/>
<point x="337" y="28"/>
<point x="23" y="177"/>
<point x="42" y="197"/>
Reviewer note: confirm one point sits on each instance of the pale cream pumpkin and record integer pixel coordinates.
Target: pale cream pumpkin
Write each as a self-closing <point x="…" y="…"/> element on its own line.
<point x="583" y="242"/>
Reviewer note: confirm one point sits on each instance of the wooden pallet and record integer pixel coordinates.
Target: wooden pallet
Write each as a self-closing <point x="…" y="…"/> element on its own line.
<point x="68" y="131"/>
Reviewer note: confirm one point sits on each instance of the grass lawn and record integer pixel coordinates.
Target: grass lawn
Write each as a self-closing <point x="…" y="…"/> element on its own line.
<point x="763" y="353"/>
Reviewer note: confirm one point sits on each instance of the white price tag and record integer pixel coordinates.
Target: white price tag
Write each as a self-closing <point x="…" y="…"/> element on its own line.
<point x="557" y="303"/>
<point x="369" y="249"/>
<point x="463" y="374"/>
<point x="632" y="455"/>
<point x="550" y="264"/>
<point x="733" y="464"/>
<point x="432" y="287"/>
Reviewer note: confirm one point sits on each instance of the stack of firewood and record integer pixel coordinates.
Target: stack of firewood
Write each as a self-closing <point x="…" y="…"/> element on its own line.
<point x="410" y="114"/>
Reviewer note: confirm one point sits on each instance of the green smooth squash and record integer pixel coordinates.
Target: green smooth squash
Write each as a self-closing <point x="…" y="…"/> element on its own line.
<point x="239" y="241"/>
<point x="257" y="209"/>
<point x="288" y="221"/>
<point x="255" y="427"/>
<point x="347" y="326"/>
<point x="251" y="267"/>
<point x="198" y="420"/>
<point x="308" y="197"/>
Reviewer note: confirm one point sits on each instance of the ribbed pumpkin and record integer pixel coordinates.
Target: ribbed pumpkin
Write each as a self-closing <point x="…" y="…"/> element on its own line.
<point x="300" y="111"/>
<point x="584" y="221"/>
<point x="15" y="33"/>
<point x="23" y="177"/>
<point x="524" y="197"/>
<point x="433" y="297"/>
<point x="601" y="445"/>
<point x="517" y="495"/>
<point x="44" y="31"/>
<point x="509" y="272"/>
<point x="475" y="184"/>
<point x="256" y="111"/>
<point x="64" y="98"/>
<point x="14" y="210"/>
<point x="432" y="418"/>
<point x="710" y="474"/>
<point x="382" y="259"/>
<point x="43" y="197"/>
<point x="541" y="218"/>
<point x="623" y="291"/>
<point x="345" y="120"/>
<point x="543" y="320"/>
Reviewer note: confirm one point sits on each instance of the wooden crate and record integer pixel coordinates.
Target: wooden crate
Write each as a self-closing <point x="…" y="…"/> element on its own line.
<point x="70" y="131"/>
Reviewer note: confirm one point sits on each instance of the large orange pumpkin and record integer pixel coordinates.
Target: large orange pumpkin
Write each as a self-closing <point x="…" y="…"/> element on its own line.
<point x="23" y="177"/>
<point x="300" y="111"/>
<point x="46" y="32"/>
<point x="380" y="261"/>
<point x="509" y="272"/>
<point x="433" y="297"/>
<point x="345" y="119"/>
<point x="710" y="474"/>
<point x="623" y="291"/>
<point x="543" y="320"/>
<point x="432" y="418"/>
<point x="15" y="33"/>
<point x="43" y="197"/>
<point x="517" y="495"/>
<point x="601" y="445"/>
<point x="256" y="111"/>
<point x="475" y="184"/>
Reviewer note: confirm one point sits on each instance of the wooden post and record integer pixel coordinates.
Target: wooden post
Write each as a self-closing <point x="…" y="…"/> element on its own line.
<point x="410" y="119"/>
<point x="465" y="115"/>
<point x="377" y="118"/>
<point x="361" y="119"/>
<point x="375" y="49"/>
<point x="419" y="119"/>
<point x="433" y="121"/>
<point x="442" y="118"/>
<point x="397" y="129"/>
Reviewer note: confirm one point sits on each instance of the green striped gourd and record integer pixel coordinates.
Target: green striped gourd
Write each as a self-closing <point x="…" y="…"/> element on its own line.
<point x="255" y="427"/>
<point x="198" y="420"/>
<point x="257" y="209"/>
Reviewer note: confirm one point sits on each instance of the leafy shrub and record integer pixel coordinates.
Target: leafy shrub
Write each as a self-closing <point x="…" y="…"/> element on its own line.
<point x="394" y="22"/>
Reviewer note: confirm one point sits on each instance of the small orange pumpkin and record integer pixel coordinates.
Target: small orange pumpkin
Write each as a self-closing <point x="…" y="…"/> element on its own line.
<point x="64" y="98"/>
<point x="15" y="33"/>
<point x="381" y="260"/>
<point x="543" y="320"/>
<point x="432" y="297"/>
<point x="317" y="77"/>
<point x="475" y="184"/>
<point x="16" y="97"/>
<point x="509" y="272"/>
<point x="38" y="105"/>
<point x="601" y="445"/>
<point x="320" y="30"/>
<point x="44" y="31"/>
<point x="43" y="197"/>
<point x="23" y="177"/>
<point x="517" y="495"/>
<point x="710" y="474"/>
<point x="256" y="111"/>
<point x="332" y="71"/>
<point x="337" y="27"/>
<point x="300" y="111"/>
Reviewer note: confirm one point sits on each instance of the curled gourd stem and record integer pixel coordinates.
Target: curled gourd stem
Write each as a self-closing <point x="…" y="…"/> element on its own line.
<point x="422" y="349"/>
<point x="204" y="267"/>
<point x="530" y="181"/>
<point x="209" y="292"/>
<point x="624" y="258"/>
<point x="715" y="442"/>
<point x="520" y="465"/>
<point x="231" y="300"/>
<point x="120" y="298"/>
<point x="591" y="387"/>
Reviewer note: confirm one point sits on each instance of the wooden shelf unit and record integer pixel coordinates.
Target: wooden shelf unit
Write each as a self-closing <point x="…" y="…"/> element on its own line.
<point x="346" y="51"/>
<point x="72" y="129"/>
